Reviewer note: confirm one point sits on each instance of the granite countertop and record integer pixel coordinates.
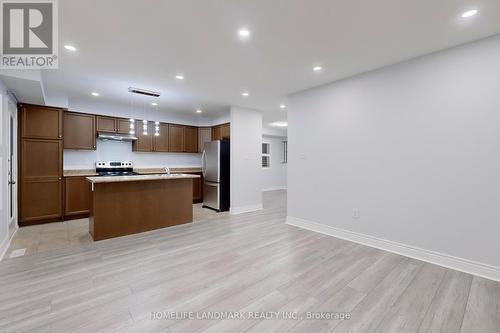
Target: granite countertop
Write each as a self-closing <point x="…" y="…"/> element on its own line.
<point x="79" y="173"/>
<point x="136" y="178"/>
<point x="147" y="171"/>
<point x="141" y="171"/>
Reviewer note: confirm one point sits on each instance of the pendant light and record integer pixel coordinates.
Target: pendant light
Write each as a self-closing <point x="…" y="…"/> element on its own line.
<point x="157" y="128"/>
<point x="144" y="127"/>
<point x="132" y="120"/>
<point x="157" y="123"/>
<point x="132" y="126"/>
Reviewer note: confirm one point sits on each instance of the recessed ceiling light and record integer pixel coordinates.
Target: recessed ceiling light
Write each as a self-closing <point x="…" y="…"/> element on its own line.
<point x="179" y="77"/>
<point x="244" y="33"/>
<point x="282" y="106"/>
<point x="154" y="104"/>
<point x="95" y="94"/>
<point x="470" y="13"/>
<point x="317" y="68"/>
<point x="70" y="47"/>
<point x="199" y="111"/>
<point x="245" y="94"/>
<point x="279" y="124"/>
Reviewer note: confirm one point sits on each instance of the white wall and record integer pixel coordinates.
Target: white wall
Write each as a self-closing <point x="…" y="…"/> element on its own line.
<point x="415" y="147"/>
<point x="274" y="177"/>
<point x="122" y="151"/>
<point x="274" y="131"/>
<point x="246" y="148"/>
<point x="4" y="152"/>
<point x="223" y="117"/>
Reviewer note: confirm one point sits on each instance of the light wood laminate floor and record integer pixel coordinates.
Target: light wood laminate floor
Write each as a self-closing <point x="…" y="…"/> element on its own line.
<point x="246" y="264"/>
<point x="59" y="235"/>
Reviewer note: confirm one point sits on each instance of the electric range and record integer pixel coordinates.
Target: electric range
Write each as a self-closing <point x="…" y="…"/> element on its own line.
<point x="114" y="168"/>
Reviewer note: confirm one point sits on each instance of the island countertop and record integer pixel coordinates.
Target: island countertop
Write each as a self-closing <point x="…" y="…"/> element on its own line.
<point x="126" y="205"/>
<point x="136" y="178"/>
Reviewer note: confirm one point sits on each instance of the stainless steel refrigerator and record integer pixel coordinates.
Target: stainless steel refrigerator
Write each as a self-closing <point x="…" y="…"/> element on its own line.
<point x="215" y="166"/>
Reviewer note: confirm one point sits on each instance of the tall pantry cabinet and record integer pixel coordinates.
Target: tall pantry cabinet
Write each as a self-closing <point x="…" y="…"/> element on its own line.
<point x="41" y="167"/>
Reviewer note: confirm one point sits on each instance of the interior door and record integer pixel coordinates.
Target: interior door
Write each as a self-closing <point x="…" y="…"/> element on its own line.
<point x="12" y="163"/>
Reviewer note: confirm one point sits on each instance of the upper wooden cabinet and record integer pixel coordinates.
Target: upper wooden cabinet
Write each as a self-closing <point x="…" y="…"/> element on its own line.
<point x="220" y="132"/>
<point x="79" y="131"/>
<point x="204" y="135"/>
<point x="216" y="133"/>
<point x="41" y="122"/>
<point x="144" y="143"/>
<point x="114" y="125"/>
<point x="175" y="138"/>
<point x="107" y="124"/>
<point x="123" y="126"/>
<point x="190" y="139"/>
<point x="160" y="142"/>
<point x="225" y="131"/>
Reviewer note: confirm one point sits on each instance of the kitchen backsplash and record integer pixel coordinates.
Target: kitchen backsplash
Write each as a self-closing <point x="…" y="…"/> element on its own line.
<point x="122" y="151"/>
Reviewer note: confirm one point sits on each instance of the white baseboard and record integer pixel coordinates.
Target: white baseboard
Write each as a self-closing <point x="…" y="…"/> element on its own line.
<point x="245" y="209"/>
<point x="459" y="264"/>
<point x="273" y="188"/>
<point x="4" y="246"/>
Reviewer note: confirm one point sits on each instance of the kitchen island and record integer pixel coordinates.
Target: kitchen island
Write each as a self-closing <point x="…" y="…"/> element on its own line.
<point x="126" y="205"/>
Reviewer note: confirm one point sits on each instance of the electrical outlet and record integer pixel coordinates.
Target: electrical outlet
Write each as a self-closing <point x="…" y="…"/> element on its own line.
<point x="355" y="213"/>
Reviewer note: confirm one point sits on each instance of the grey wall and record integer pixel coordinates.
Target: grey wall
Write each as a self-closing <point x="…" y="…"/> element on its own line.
<point x="415" y="147"/>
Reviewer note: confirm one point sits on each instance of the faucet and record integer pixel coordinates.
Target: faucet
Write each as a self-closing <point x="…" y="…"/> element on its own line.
<point x="167" y="170"/>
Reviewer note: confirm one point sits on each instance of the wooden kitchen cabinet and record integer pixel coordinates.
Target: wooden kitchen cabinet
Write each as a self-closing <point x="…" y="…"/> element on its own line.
<point x="41" y="201"/>
<point x="225" y="131"/>
<point x="41" y="122"/>
<point x="79" y="131"/>
<point x="41" y="181"/>
<point x="216" y="133"/>
<point x="190" y="139"/>
<point x="220" y="132"/>
<point x="76" y="197"/>
<point x="123" y="126"/>
<point x="175" y="138"/>
<point x="160" y="143"/>
<point x="144" y="143"/>
<point x="204" y="135"/>
<point x="40" y="164"/>
<point x="107" y="124"/>
<point x="198" y="188"/>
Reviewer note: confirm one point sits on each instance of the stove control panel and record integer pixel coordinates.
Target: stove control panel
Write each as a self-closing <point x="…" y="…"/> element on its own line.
<point x="113" y="164"/>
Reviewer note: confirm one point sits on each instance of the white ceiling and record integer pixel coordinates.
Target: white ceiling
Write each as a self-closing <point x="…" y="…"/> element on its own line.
<point x="146" y="43"/>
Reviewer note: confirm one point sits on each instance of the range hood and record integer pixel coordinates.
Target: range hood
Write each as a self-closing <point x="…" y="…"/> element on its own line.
<point x="115" y="137"/>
